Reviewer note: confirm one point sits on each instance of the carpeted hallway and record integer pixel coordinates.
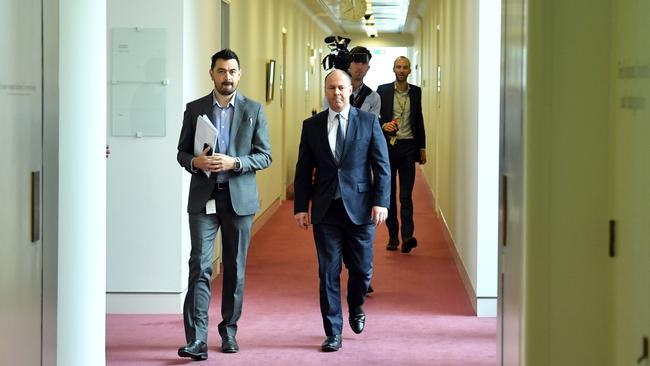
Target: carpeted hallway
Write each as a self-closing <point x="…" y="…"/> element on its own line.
<point x="418" y="315"/>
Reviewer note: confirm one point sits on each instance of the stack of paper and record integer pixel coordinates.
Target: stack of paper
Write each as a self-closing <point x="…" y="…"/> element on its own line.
<point x="205" y="134"/>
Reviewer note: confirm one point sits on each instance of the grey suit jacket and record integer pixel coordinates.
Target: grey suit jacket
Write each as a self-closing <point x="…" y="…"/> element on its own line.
<point x="249" y="141"/>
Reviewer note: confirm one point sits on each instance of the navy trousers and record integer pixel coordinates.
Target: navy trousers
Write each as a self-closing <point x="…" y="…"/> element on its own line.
<point x="337" y="238"/>
<point x="402" y="157"/>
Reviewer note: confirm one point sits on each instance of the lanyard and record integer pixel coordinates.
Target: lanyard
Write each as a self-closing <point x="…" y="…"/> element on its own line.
<point x="401" y="103"/>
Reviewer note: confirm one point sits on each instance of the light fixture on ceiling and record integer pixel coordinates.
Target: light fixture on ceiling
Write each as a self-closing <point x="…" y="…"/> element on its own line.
<point x="352" y="10"/>
<point x="369" y="23"/>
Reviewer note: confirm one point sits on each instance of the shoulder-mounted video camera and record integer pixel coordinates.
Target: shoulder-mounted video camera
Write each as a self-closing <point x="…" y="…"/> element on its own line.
<point x="340" y="57"/>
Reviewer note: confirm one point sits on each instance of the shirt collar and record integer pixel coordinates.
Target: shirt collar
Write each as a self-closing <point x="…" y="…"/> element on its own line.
<point x="408" y="88"/>
<point x="356" y="91"/>
<point x="230" y="103"/>
<point x="344" y="113"/>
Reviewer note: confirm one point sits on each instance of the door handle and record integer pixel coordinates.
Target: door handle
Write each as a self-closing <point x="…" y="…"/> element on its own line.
<point x="503" y="212"/>
<point x="36" y="206"/>
<point x="644" y="355"/>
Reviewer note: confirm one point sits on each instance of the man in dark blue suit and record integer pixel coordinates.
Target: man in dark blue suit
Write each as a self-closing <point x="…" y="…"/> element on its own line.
<point x="403" y="125"/>
<point x="349" y="194"/>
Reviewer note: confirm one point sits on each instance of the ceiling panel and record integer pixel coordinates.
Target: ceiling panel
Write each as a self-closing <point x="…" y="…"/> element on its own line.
<point x="388" y="16"/>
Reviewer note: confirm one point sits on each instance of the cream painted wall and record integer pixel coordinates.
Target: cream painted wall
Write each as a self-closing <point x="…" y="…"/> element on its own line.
<point x="141" y="223"/>
<point x="256" y="35"/>
<point x="201" y="39"/>
<point x="452" y="124"/>
<point x="144" y="184"/>
<point x="565" y="314"/>
<point x="629" y="180"/>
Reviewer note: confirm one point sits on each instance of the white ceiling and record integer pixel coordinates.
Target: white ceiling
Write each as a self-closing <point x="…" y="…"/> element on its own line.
<point x="390" y="16"/>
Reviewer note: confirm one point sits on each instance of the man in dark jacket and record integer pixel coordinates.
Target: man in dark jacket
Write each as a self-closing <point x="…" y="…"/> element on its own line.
<point x="403" y="125"/>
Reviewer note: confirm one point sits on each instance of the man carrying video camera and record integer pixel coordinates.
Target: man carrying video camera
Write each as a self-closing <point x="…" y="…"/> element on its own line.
<point x="362" y="96"/>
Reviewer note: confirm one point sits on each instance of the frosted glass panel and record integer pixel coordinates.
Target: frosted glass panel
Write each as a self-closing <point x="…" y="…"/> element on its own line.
<point x="138" y="110"/>
<point x="138" y="82"/>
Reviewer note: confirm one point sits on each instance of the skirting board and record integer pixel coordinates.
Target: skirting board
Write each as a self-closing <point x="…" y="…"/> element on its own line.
<point x="144" y="303"/>
<point x="483" y="306"/>
<point x="169" y="302"/>
<point x="265" y="216"/>
<point x="462" y="272"/>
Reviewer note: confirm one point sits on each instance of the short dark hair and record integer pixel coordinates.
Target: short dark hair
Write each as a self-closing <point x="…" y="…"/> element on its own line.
<point x="225" y="54"/>
<point x="363" y="50"/>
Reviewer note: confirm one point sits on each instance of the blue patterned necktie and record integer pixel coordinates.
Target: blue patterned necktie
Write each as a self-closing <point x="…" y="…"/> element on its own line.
<point x="340" y="141"/>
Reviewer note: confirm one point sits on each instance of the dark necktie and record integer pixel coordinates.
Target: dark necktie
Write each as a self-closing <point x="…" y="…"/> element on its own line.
<point x="340" y="141"/>
<point x="338" y="150"/>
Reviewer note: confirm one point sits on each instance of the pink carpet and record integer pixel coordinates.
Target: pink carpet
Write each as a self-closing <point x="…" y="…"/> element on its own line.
<point x="418" y="315"/>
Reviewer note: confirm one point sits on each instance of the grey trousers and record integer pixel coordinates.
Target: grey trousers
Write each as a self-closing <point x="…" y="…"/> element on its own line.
<point x="235" y="235"/>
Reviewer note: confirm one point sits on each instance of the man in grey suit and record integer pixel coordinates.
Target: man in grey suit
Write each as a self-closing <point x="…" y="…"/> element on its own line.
<point x="226" y="200"/>
<point x="349" y="196"/>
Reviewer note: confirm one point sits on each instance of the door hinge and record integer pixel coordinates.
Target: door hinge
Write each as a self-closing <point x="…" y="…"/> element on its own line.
<point x="612" y="238"/>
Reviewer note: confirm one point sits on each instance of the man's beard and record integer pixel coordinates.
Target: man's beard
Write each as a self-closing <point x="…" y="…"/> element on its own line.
<point x="226" y="88"/>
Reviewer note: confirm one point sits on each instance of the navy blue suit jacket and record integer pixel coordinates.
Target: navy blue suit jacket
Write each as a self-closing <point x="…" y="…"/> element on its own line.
<point x="363" y="174"/>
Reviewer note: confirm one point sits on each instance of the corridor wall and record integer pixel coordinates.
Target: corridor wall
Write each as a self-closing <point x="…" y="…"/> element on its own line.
<point x="565" y="140"/>
<point x="148" y="238"/>
<point x="454" y="40"/>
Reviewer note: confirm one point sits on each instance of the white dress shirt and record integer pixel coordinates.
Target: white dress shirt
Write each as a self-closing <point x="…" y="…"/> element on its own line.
<point x="333" y="125"/>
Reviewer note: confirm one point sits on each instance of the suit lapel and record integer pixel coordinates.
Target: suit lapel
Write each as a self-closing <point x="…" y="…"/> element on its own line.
<point x="321" y="131"/>
<point x="411" y="98"/>
<point x="351" y="132"/>
<point x="240" y="103"/>
<point x="206" y="106"/>
<point x="391" y="98"/>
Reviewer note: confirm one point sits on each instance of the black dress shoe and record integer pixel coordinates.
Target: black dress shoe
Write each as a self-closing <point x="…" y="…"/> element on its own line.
<point x="197" y="350"/>
<point x="409" y="244"/>
<point x="392" y="244"/>
<point x="229" y="344"/>
<point x="370" y="289"/>
<point x="332" y="343"/>
<point x="357" y="320"/>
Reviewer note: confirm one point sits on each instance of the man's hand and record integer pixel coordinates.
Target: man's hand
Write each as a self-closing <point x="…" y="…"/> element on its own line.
<point x="379" y="215"/>
<point x="222" y="163"/>
<point x="302" y="219"/>
<point x="423" y="156"/>
<point x="213" y="163"/>
<point x="390" y="127"/>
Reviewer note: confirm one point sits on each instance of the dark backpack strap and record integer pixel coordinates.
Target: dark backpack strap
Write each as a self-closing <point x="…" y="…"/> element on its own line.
<point x="361" y="97"/>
